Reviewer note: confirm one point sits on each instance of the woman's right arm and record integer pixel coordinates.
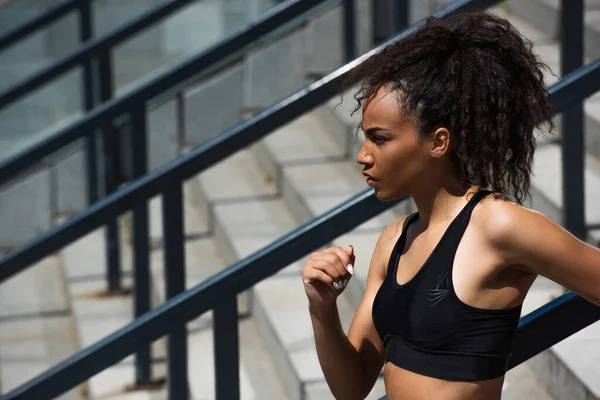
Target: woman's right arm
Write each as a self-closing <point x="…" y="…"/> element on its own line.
<point x="351" y="363"/>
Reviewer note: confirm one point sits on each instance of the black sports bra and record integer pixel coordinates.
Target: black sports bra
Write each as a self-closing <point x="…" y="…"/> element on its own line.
<point x="427" y="329"/>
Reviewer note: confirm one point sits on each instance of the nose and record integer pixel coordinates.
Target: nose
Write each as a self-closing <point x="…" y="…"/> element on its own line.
<point x="364" y="156"/>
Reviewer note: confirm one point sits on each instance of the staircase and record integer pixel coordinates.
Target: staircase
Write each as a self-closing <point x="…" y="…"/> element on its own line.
<point x="246" y="202"/>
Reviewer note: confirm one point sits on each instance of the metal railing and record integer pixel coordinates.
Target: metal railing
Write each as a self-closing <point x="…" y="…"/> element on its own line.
<point x="566" y="314"/>
<point x="219" y="292"/>
<point x="103" y="116"/>
<point x="90" y="74"/>
<point x="268" y="22"/>
<point x="94" y="55"/>
<point x="133" y="105"/>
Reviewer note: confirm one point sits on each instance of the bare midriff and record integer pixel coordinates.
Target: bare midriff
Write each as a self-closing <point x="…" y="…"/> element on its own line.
<point x="401" y="384"/>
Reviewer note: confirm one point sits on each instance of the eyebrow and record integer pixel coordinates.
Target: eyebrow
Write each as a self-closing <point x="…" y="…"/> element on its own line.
<point x="374" y="130"/>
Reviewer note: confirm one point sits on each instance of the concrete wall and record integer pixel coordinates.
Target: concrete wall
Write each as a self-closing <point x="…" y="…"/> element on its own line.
<point x="421" y="9"/>
<point x="237" y="13"/>
<point x="213" y="106"/>
<point x="24" y="208"/>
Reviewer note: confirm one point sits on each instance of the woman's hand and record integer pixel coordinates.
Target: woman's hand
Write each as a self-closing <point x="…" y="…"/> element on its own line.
<point x="327" y="274"/>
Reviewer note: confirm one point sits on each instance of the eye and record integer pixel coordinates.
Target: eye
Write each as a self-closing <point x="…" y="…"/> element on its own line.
<point x="372" y="135"/>
<point x="377" y="139"/>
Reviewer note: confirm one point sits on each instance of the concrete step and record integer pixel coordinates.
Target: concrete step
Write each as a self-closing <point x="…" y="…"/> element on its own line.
<point x="98" y="315"/>
<point x="521" y="383"/>
<point x="37" y="327"/>
<point x="257" y="372"/>
<point x="279" y="303"/>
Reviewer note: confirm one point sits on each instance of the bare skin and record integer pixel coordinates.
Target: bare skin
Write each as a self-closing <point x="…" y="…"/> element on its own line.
<point x="504" y="248"/>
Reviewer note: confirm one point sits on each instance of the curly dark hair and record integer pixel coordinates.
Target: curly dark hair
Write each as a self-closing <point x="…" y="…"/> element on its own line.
<point x="474" y="74"/>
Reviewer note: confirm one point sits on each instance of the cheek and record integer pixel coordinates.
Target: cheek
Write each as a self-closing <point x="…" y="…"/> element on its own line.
<point x="402" y="167"/>
<point x="405" y="160"/>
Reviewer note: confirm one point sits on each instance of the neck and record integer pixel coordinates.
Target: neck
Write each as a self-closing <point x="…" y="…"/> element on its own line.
<point x="438" y="204"/>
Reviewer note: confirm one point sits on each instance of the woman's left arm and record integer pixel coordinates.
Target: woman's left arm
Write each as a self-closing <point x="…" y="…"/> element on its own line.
<point x="537" y="244"/>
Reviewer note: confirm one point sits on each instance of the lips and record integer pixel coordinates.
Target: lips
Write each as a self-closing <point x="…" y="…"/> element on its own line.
<point x="370" y="179"/>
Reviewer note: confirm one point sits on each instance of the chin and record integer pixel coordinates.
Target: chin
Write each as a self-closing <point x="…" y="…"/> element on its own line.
<point x="387" y="196"/>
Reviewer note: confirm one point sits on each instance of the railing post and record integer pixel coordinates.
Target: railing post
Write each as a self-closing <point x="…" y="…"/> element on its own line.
<point x="85" y="34"/>
<point x="112" y="230"/>
<point x="226" y="349"/>
<point x="572" y="127"/>
<point x="389" y="17"/>
<point x="180" y="119"/>
<point x="141" y="282"/>
<point x="349" y="30"/>
<point x="174" y="270"/>
<point x="402" y="14"/>
<point x="105" y="73"/>
<point x="109" y="149"/>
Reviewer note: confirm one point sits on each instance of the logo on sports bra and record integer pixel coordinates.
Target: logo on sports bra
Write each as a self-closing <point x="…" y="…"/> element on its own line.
<point x="434" y="296"/>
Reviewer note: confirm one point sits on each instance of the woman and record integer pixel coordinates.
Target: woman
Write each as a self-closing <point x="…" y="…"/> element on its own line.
<point x="448" y="117"/>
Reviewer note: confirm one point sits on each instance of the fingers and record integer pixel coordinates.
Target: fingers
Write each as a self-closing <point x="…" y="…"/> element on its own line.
<point x="336" y="262"/>
<point x="346" y="256"/>
<point x="350" y="251"/>
<point x="327" y="265"/>
<point x="313" y="274"/>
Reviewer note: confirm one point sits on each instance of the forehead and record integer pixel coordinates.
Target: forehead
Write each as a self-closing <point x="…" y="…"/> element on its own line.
<point x="382" y="109"/>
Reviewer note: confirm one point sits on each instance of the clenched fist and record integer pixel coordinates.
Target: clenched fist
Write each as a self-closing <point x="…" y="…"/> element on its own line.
<point x="327" y="273"/>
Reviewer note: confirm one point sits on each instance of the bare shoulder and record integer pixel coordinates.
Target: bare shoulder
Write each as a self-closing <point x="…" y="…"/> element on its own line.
<point x="385" y="244"/>
<point x="503" y="222"/>
<point x="392" y="232"/>
<point x="532" y="241"/>
<point x="495" y="217"/>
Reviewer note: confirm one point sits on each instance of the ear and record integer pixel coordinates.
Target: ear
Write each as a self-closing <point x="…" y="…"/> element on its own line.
<point x="440" y="142"/>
